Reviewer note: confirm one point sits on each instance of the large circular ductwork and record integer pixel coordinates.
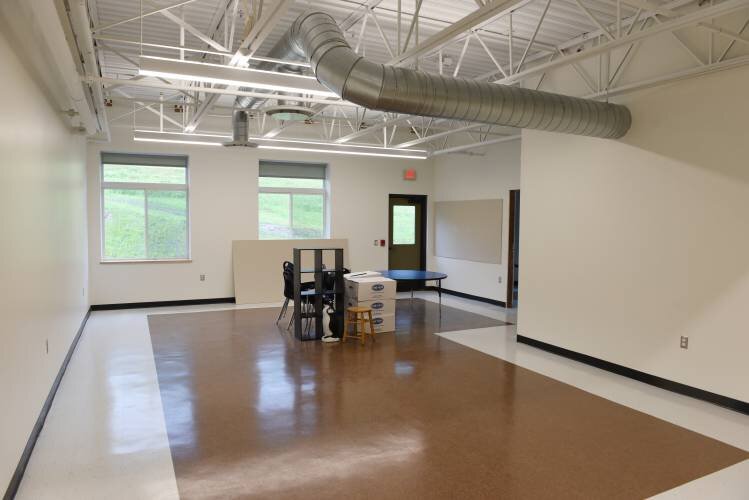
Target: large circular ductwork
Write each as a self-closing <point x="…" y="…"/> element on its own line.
<point x="315" y="37"/>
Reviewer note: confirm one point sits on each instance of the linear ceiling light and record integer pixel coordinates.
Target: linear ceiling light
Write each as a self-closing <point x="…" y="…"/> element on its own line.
<point x="176" y="141"/>
<point x="281" y="144"/>
<point x="339" y="152"/>
<point x="228" y="75"/>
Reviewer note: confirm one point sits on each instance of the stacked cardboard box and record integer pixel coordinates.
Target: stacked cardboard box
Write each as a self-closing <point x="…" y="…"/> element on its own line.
<point x="374" y="291"/>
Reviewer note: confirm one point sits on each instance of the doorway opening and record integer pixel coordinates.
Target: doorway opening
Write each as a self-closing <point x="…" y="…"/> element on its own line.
<point x="407" y="227"/>
<point x="513" y="260"/>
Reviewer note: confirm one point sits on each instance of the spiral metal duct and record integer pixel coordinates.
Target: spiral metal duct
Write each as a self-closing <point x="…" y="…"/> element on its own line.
<point x="316" y="37"/>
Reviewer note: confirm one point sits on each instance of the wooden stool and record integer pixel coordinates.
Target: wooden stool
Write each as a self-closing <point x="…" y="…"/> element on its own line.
<point x="359" y="316"/>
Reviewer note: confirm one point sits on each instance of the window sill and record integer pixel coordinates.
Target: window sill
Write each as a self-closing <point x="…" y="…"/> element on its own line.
<point x="146" y="261"/>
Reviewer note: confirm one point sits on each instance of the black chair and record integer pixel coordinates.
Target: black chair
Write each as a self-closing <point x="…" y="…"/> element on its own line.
<point x="288" y="289"/>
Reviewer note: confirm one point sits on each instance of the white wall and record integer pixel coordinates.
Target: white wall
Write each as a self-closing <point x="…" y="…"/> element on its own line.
<point x="628" y="245"/>
<point x="42" y="250"/>
<point x="223" y="207"/>
<point x="464" y="177"/>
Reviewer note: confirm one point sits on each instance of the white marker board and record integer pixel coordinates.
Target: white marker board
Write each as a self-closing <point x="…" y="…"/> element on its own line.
<point x="469" y="230"/>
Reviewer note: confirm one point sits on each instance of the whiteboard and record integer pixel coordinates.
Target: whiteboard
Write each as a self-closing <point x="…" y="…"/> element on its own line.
<point x="469" y="230"/>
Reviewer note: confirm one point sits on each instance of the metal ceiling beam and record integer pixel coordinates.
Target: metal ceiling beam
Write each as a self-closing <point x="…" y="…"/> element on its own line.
<point x="651" y="7"/>
<point x="134" y="63"/>
<point x="145" y="14"/>
<point x="193" y="30"/>
<point x="355" y="16"/>
<point x="595" y="20"/>
<point x="476" y="19"/>
<point x="382" y="33"/>
<point x="671" y="77"/>
<point x="148" y="107"/>
<point x="629" y="22"/>
<point x="211" y="90"/>
<point x="684" y="21"/>
<point x="730" y="45"/>
<point x="373" y="128"/>
<point x="727" y="33"/>
<point x="533" y="38"/>
<point x="200" y="51"/>
<point x="463" y="147"/>
<point x="439" y="135"/>
<point x="264" y="26"/>
<point x="251" y="43"/>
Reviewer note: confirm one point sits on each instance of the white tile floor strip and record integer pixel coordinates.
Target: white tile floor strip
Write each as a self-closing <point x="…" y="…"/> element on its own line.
<point x="105" y="435"/>
<point x="731" y="483"/>
<point x="725" y="425"/>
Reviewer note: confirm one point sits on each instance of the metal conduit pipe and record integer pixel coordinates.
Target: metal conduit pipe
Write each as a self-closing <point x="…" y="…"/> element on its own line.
<point x="240" y="129"/>
<point x="316" y="37"/>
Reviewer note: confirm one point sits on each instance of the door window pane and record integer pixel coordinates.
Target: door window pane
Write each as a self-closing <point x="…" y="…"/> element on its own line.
<point x="167" y="224"/>
<point x="307" y="219"/>
<point x="404" y="224"/>
<point x="274" y="216"/>
<point x="124" y="221"/>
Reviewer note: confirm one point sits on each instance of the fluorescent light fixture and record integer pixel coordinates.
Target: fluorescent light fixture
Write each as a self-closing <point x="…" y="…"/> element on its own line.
<point x="230" y="75"/>
<point x="301" y="145"/>
<point x="176" y="141"/>
<point x="357" y="153"/>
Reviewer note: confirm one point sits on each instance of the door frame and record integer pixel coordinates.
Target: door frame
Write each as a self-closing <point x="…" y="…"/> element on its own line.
<point x="514" y="197"/>
<point x="422" y="200"/>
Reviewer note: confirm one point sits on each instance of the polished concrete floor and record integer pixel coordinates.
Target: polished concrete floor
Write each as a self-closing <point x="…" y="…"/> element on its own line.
<point x="106" y="435"/>
<point x="252" y="413"/>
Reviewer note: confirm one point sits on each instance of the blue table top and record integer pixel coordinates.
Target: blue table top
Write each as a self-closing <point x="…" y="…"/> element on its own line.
<point x="412" y="275"/>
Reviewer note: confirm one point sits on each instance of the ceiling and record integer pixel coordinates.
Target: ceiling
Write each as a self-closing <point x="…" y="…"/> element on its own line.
<point x="566" y="24"/>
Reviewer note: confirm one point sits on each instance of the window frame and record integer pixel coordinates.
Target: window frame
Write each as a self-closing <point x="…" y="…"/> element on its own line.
<point x="145" y="187"/>
<point x="291" y="191"/>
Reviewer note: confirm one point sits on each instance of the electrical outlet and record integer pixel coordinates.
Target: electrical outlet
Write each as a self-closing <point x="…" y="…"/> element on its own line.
<point x="684" y="343"/>
<point x="499" y="279"/>
<point x="376" y="243"/>
<point x="202" y="277"/>
<point x="46" y="345"/>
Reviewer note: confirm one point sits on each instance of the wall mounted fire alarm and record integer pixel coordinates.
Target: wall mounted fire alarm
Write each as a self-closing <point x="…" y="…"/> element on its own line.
<point x="409" y="174"/>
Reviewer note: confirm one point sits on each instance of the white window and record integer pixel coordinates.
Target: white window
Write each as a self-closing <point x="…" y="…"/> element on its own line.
<point x="144" y="207"/>
<point x="292" y="202"/>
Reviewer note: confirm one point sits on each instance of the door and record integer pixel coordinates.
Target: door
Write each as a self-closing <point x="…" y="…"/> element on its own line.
<point x="407" y="232"/>
<point x="513" y="261"/>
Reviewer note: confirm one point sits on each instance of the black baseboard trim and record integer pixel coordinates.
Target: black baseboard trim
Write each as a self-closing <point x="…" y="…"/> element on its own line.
<point x="162" y="303"/>
<point x="469" y="296"/>
<point x="661" y="383"/>
<point x="15" y="480"/>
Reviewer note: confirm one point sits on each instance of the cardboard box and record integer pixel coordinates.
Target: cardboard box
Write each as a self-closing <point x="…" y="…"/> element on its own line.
<point x="384" y="323"/>
<point x="361" y="274"/>
<point x="380" y="307"/>
<point x="370" y="288"/>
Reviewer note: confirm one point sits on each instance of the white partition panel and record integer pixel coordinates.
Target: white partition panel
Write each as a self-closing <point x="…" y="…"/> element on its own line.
<point x="258" y="266"/>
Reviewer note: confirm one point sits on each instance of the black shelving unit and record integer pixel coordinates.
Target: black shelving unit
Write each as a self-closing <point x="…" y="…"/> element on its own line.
<point x="310" y="304"/>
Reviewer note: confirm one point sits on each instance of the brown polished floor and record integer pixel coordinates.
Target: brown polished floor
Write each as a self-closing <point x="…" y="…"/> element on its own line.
<point x="253" y="413"/>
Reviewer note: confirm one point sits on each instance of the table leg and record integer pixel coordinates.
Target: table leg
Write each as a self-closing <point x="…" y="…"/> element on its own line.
<point x="412" y="290"/>
<point x="439" y="292"/>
